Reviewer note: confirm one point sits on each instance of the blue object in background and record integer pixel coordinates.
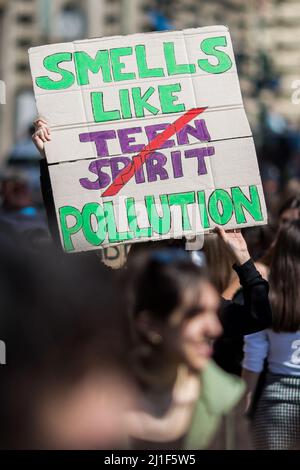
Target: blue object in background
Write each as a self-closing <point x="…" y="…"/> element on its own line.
<point x="28" y="211"/>
<point x="159" y="21"/>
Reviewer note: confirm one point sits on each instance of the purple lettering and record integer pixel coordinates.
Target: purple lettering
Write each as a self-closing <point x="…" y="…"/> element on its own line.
<point x="100" y="138"/>
<point x="155" y="167"/>
<point x="114" y="165"/>
<point x="200" y="154"/>
<point x="152" y="132"/>
<point x="200" y="132"/>
<point x="139" y="175"/>
<point x="125" y="140"/>
<point x="177" y="164"/>
<point x="103" y="179"/>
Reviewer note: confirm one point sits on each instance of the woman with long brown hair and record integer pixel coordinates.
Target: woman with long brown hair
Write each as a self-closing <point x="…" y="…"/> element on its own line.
<point x="276" y="420"/>
<point x="174" y="316"/>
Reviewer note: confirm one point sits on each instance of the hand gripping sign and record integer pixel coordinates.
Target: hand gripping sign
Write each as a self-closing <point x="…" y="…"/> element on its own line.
<point x="150" y="139"/>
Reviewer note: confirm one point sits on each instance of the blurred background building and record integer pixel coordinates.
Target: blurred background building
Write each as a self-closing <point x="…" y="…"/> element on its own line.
<point x="266" y="38"/>
<point x="28" y="23"/>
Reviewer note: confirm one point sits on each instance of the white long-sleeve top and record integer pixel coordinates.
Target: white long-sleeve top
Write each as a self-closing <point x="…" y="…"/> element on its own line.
<point x="282" y="350"/>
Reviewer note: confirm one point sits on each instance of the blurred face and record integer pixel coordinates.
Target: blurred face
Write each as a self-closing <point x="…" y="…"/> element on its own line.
<point x="200" y="326"/>
<point x="288" y="216"/>
<point x="16" y="195"/>
<point x="89" y="415"/>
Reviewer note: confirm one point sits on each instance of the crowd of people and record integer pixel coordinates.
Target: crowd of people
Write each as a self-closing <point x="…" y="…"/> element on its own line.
<point x="169" y="351"/>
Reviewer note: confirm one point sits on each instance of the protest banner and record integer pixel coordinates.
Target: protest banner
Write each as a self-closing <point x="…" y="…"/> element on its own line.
<point x="150" y="138"/>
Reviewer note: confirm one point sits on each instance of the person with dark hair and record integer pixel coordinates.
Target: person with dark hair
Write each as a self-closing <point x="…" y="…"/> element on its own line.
<point x="219" y="263"/>
<point x="65" y="382"/>
<point x="173" y="311"/>
<point x="241" y="318"/>
<point x="251" y="300"/>
<point x="276" y="420"/>
<point x="290" y="210"/>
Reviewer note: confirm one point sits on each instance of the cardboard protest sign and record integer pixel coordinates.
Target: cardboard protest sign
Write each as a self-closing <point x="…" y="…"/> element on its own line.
<point x="150" y="139"/>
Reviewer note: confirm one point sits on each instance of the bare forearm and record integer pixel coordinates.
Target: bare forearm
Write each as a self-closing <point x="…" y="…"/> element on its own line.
<point x="251" y="379"/>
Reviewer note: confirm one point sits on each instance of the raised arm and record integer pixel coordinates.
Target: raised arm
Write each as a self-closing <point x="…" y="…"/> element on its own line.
<point x="255" y="313"/>
<point x="39" y="138"/>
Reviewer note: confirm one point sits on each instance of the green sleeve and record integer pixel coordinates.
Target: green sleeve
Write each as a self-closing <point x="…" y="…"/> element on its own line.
<point x="220" y="393"/>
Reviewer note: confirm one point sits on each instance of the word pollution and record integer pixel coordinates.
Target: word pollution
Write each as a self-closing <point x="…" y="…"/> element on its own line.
<point x="97" y="222"/>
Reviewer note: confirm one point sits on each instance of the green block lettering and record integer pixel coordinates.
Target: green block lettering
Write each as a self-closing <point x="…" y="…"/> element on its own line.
<point x="203" y="210"/>
<point x="159" y="224"/>
<point x="118" y="66"/>
<point x="51" y="63"/>
<point x="141" y="102"/>
<point x="208" y="46"/>
<point x="144" y="71"/>
<point x="167" y="99"/>
<point x="125" y="104"/>
<point x="66" y="229"/>
<point x="132" y="221"/>
<point x="100" y="115"/>
<point x="84" y="64"/>
<point x="182" y="200"/>
<point x="172" y="66"/>
<point x="242" y="203"/>
<point x="94" y="237"/>
<point x="220" y="215"/>
<point x="114" y="235"/>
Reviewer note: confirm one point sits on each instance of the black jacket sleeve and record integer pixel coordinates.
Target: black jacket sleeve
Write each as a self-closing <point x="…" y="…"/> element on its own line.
<point x="48" y="200"/>
<point x="255" y="313"/>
